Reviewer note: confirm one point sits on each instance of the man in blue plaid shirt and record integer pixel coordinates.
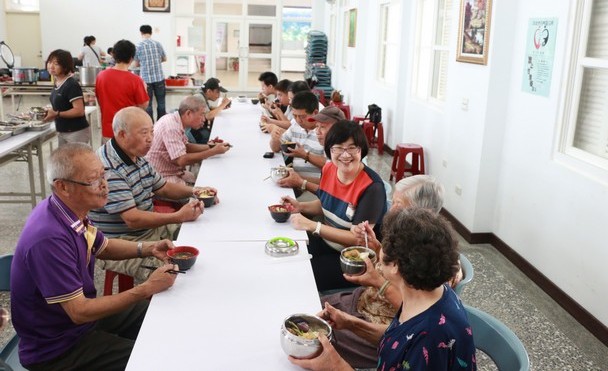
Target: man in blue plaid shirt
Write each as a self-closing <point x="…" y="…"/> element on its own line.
<point x="149" y="56"/>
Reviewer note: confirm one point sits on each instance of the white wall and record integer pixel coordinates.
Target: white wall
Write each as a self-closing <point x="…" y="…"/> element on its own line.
<point x="2" y="28"/>
<point x="66" y="22"/>
<point x="501" y="150"/>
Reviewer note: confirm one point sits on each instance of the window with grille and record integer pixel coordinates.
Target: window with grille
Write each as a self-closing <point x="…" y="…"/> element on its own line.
<point x="585" y="108"/>
<point x="431" y="57"/>
<point x="390" y="15"/>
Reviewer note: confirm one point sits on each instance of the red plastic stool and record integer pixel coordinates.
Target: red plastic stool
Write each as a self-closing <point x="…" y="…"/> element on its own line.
<point x="167" y="207"/>
<point x="124" y="282"/>
<point x="343" y="107"/>
<point x="375" y="135"/>
<point x="359" y="119"/>
<point x="398" y="168"/>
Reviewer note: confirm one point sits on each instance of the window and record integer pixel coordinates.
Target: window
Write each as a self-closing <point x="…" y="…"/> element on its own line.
<point x="390" y="15"/>
<point x="585" y="112"/>
<point x="23" y="5"/>
<point x="331" y="39"/>
<point x="297" y="22"/>
<point x="431" y="56"/>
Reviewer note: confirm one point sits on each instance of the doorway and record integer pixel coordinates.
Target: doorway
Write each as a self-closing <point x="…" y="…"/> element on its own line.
<point x="243" y="48"/>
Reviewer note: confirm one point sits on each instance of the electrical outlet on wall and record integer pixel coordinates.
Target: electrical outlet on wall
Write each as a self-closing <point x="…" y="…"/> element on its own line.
<point x="464" y="105"/>
<point x="458" y="190"/>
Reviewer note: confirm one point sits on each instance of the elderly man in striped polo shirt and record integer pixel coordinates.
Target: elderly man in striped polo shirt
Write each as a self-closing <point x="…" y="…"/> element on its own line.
<point x="170" y="152"/>
<point x="132" y="183"/>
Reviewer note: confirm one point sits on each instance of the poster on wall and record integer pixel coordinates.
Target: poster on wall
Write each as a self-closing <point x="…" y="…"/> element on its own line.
<point x="540" y="52"/>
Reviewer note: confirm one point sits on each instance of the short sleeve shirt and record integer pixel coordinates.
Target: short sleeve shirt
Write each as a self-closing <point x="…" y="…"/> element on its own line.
<point x="169" y="143"/>
<point x="130" y="184"/>
<point x="310" y="142"/>
<point x="149" y="54"/>
<point x="440" y="338"/>
<point x="54" y="262"/>
<point x="62" y="98"/>
<point x="346" y="204"/>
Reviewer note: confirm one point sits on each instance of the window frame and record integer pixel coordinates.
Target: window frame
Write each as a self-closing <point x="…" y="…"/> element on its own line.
<point x="576" y="65"/>
<point x="432" y="48"/>
<point x="384" y="9"/>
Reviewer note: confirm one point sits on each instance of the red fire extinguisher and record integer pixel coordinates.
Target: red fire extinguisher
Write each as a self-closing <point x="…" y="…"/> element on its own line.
<point x="179" y="40"/>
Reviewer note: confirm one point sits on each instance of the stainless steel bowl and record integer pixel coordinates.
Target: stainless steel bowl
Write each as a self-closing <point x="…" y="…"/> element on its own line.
<point x="299" y="347"/>
<point x="281" y="246"/>
<point x="278" y="173"/>
<point x="37" y="113"/>
<point x="353" y="267"/>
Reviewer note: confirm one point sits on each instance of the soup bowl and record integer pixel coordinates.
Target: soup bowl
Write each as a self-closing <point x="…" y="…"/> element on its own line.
<point x="183" y="256"/>
<point x="205" y="195"/>
<point x="299" y="335"/>
<point x="351" y="259"/>
<point x="286" y="145"/>
<point x="280" y="213"/>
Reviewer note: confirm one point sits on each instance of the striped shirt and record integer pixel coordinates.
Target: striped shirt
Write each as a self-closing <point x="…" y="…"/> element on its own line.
<point x="347" y="204"/>
<point x="150" y="54"/>
<point x="169" y="143"/>
<point x="130" y="185"/>
<point x="308" y="139"/>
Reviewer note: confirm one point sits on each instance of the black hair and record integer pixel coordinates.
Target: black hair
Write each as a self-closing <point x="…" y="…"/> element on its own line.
<point x="268" y="78"/>
<point x="124" y="51"/>
<point x="299" y="86"/>
<point x="146" y="29"/>
<point x="305" y="100"/>
<point x="88" y="40"/>
<point x="341" y="131"/>
<point x="422" y="245"/>
<point x="283" y="85"/>
<point x="63" y="58"/>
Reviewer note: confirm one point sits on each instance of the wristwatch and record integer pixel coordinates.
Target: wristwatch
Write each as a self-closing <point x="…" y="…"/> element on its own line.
<point x="317" y="231"/>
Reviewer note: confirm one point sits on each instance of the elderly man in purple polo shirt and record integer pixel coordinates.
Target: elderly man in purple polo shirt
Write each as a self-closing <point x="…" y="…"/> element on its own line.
<point x="61" y="322"/>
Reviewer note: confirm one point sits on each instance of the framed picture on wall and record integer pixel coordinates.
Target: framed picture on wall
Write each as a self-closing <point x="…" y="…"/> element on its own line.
<point x="352" y="28"/>
<point x="474" y="31"/>
<point x="162" y="6"/>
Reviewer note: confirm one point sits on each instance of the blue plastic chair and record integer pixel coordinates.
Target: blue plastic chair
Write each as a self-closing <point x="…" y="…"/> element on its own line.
<point x="496" y="340"/>
<point x="9" y="355"/>
<point x="5" y="272"/>
<point x="467" y="274"/>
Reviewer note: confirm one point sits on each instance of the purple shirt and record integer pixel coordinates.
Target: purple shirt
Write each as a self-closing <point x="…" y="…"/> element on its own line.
<point x="53" y="263"/>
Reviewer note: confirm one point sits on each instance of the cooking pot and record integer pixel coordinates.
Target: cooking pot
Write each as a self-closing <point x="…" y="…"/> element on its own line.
<point x="88" y="75"/>
<point x="20" y="74"/>
<point x="25" y="74"/>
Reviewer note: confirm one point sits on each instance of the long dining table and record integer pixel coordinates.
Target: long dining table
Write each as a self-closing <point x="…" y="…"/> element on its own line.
<point x="226" y="312"/>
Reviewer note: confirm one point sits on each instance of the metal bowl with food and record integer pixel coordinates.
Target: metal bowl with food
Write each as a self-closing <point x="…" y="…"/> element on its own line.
<point x="278" y="173"/>
<point x="281" y="247"/>
<point x="37" y="113"/>
<point x="299" y="335"/>
<point x="352" y="259"/>
<point x="183" y="256"/>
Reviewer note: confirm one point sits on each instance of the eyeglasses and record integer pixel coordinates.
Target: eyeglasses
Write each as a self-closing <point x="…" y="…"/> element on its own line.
<point x="95" y="184"/>
<point x="352" y="150"/>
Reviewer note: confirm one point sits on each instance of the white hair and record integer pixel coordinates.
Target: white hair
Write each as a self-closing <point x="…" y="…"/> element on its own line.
<point x="422" y="191"/>
<point x="191" y="103"/>
<point x="61" y="164"/>
<point x="122" y="118"/>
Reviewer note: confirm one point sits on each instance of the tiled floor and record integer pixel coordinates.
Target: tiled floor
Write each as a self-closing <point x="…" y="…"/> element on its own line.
<point x="553" y="339"/>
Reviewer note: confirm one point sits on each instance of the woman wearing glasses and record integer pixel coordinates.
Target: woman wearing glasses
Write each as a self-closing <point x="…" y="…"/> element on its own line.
<point x="349" y="193"/>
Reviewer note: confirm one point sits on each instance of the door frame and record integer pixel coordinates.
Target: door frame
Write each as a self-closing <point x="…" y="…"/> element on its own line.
<point x="242" y="52"/>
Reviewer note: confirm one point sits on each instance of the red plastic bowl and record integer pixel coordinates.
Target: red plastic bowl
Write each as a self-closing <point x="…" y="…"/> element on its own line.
<point x="186" y="263"/>
<point x="176" y="82"/>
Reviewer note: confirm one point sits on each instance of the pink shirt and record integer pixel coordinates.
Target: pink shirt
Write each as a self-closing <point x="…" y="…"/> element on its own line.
<point x="169" y="143"/>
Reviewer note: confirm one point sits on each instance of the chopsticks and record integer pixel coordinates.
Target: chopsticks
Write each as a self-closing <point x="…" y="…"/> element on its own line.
<point x="152" y="268"/>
